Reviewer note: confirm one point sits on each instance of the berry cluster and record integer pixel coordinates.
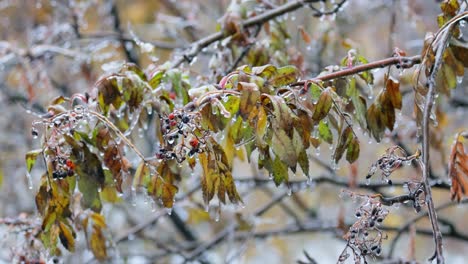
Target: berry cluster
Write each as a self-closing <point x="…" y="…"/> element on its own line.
<point x="364" y="237"/>
<point x="391" y="161"/>
<point x="61" y="123"/>
<point x="63" y="168"/>
<point x="180" y="131"/>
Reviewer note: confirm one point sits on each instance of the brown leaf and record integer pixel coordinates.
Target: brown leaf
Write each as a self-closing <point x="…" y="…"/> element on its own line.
<point x="324" y="105"/>
<point x="458" y="169"/>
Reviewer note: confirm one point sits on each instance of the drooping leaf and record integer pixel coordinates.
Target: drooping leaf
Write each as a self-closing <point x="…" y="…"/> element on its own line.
<point x="31" y="158"/>
<point x="323" y="105"/>
<point x="458" y="169"/>
<point x="352" y="152"/>
<point x="280" y="172"/>
<point x="324" y="132"/>
<point x="249" y="97"/>
<point x="67" y="236"/>
<point x="344" y="140"/>
<point x="283" y="148"/>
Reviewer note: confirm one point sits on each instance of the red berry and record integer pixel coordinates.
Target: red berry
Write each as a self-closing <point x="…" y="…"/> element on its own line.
<point x="194" y="142"/>
<point x="171" y="116"/>
<point x="173" y="123"/>
<point x="172" y="95"/>
<point x="70" y="164"/>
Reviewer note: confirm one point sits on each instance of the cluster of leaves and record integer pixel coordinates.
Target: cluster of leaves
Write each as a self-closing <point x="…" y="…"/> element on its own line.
<point x="454" y="59"/>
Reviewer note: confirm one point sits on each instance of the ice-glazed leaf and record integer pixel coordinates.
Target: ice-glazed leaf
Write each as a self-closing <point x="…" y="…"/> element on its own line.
<point x="352" y="152"/>
<point x="458" y="169"/>
<point x="231" y="189"/>
<point x="358" y="101"/>
<point x="374" y="122"/>
<point x="249" y="97"/>
<point x="265" y="71"/>
<point x="461" y="54"/>
<point x="109" y="92"/>
<point x="303" y="161"/>
<point x="280" y="172"/>
<point x="58" y="100"/>
<point x="89" y="169"/>
<point x="156" y="79"/>
<point x="207" y="181"/>
<point x="283" y="148"/>
<point x="142" y="175"/>
<point x="393" y="91"/>
<point x="42" y="197"/>
<point x="232" y="105"/>
<point x="343" y="142"/>
<point x="283" y="117"/>
<point x="325" y="132"/>
<point x="262" y="121"/>
<point x="169" y="191"/>
<point x="180" y="85"/>
<point x="67" y="236"/>
<point x="324" y="105"/>
<point x="284" y="76"/>
<point x="31" y="158"/>
<point x="97" y="243"/>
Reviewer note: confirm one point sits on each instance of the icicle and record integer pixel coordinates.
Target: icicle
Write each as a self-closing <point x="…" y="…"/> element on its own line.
<point x="29" y="177"/>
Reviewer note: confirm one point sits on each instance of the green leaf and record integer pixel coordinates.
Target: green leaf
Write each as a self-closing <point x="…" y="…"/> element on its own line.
<point x="156" y="79"/>
<point x="284" y="76"/>
<point x="303" y="161"/>
<point x="343" y="142"/>
<point x="31" y="158"/>
<point x="265" y="71"/>
<point x="280" y="172"/>
<point x="325" y="132"/>
<point x="352" y="153"/>
<point x="358" y="101"/>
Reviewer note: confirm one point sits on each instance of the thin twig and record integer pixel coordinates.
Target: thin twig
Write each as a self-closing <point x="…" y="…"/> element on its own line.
<point x="402" y="62"/>
<point x="425" y="147"/>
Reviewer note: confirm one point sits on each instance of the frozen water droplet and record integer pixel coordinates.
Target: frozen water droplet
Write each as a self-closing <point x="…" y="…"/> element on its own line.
<point x="459" y="79"/>
<point x="367" y="181"/>
<point x="207" y="208"/>
<point x="29" y="177"/>
<point x="140" y="132"/>
<point x="218" y="214"/>
<point x="149" y="109"/>
<point x="317" y="151"/>
<point x="169" y="211"/>
<point x="131" y="237"/>
<point x="289" y="191"/>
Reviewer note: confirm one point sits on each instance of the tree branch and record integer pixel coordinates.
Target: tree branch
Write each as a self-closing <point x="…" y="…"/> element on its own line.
<point x="402" y="62"/>
<point x="197" y="46"/>
<point x="425" y="146"/>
